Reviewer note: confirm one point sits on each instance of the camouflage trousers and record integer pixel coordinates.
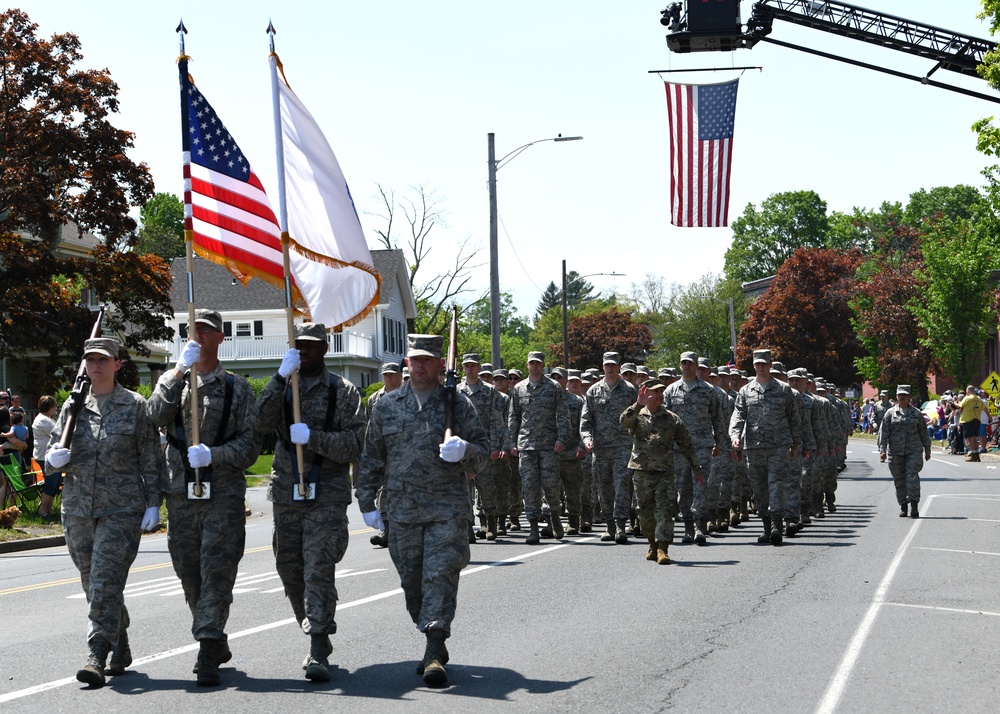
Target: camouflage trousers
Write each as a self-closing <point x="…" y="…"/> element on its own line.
<point x="905" y="470"/>
<point x="571" y="476"/>
<point x="693" y="499"/>
<point x="614" y="483"/>
<point x="809" y="484"/>
<point x="588" y="492"/>
<point x="429" y="558"/>
<point x="656" y="492"/>
<point x="206" y="540"/>
<point x="515" y="496"/>
<point x="829" y="472"/>
<point x="742" y="489"/>
<point x="103" y="550"/>
<point x="720" y="484"/>
<point x="493" y="486"/>
<point x="769" y="475"/>
<point x="308" y="542"/>
<point x="540" y="474"/>
<point x="793" y="488"/>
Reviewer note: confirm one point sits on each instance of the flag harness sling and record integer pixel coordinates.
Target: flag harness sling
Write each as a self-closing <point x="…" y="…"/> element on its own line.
<point x="179" y="441"/>
<point x="313" y="476"/>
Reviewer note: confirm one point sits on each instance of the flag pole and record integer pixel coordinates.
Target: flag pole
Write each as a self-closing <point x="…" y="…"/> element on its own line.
<point x="182" y="61"/>
<point x="285" y="239"/>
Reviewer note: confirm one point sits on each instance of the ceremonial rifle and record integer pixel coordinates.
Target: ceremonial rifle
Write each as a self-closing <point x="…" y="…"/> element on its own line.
<point x="450" y="377"/>
<point x="81" y="385"/>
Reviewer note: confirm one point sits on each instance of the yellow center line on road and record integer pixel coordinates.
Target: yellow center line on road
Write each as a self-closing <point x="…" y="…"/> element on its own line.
<point x="141" y="569"/>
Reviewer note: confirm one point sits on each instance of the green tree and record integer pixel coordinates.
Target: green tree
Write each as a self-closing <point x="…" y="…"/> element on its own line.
<point x="764" y="238"/>
<point x="162" y="230"/>
<point x="62" y="161"/>
<point x="552" y="297"/>
<point x="476" y="319"/>
<point x="608" y="330"/>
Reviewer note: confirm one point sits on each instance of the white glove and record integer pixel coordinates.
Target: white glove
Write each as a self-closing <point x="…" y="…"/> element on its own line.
<point x="189" y="356"/>
<point x="373" y="519"/>
<point x="289" y="363"/>
<point x="151" y="518"/>
<point x="57" y="457"/>
<point x="299" y="433"/>
<point x="200" y="456"/>
<point x="453" y="449"/>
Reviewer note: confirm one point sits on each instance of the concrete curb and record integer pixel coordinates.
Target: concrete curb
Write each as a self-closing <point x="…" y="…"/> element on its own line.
<point x="13" y="546"/>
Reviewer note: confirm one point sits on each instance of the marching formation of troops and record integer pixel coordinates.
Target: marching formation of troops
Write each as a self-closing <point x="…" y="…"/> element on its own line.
<point x="622" y="447"/>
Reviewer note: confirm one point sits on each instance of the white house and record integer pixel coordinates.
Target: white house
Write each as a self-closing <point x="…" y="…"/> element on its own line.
<point x="255" y="324"/>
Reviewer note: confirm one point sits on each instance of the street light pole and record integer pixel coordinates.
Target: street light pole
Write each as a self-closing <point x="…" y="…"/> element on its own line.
<point x="493" y="166"/>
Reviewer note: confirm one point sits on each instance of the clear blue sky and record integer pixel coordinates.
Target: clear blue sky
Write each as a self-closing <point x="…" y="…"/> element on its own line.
<point x="407" y="92"/>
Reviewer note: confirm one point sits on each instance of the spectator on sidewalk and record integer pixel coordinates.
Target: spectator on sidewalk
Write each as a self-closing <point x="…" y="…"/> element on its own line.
<point x="972" y="408"/>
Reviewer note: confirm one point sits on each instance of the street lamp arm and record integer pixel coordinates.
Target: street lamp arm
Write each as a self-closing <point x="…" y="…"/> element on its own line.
<point x="510" y="156"/>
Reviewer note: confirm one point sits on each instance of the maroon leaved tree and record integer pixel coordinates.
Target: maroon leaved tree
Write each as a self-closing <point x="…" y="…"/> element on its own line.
<point x="611" y="330"/>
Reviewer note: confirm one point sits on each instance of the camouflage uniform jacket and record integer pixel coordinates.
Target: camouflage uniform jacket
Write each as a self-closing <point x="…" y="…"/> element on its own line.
<point x="538" y="417"/>
<point x="805" y="419"/>
<point x="338" y="447"/>
<point x="116" y="462"/>
<point x="600" y="421"/>
<point x="490" y="409"/>
<point x="401" y="454"/>
<point x="239" y="447"/>
<point x="574" y="405"/>
<point x="654" y="438"/>
<point x="845" y="424"/>
<point x="766" y="417"/>
<point x="832" y="421"/>
<point x="903" y="432"/>
<point x="878" y="413"/>
<point x="813" y="410"/>
<point x="700" y="410"/>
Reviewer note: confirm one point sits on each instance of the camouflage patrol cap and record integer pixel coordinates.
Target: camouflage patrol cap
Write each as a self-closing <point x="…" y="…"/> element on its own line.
<point x="572" y="374"/>
<point x="390" y="368"/>
<point x="705" y="362"/>
<point x="310" y="331"/>
<point x="626" y="368"/>
<point x="902" y="389"/>
<point x="560" y="371"/>
<point x="643" y="370"/>
<point x="424" y="345"/>
<point x="536" y="357"/>
<point x="797" y="373"/>
<point x="664" y="372"/>
<point x="884" y="393"/>
<point x="820" y="385"/>
<point x="500" y="373"/>
<point x="654" y="385"/>
<point x="208" y="317"/>
<point x="107" y="346"/>
<point x="516" y="373"/>
<point x="761" y="356"/>
<point x="689" y="357"/>
<point x="777" y="368"/>
<point x="612" y="358"/>
<point x="470" y="358"/>
<point x="486" y="367"/>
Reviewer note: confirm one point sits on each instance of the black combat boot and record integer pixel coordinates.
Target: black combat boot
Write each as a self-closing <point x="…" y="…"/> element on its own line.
<point x="914" y="513"/>
<point x="830" y="499"/>
<point x="436" y="657"/>
<point x="621" y="538"/>
<point x="723" y="520"/>
<point x="804" y="519"/>
<point x="481" y="531"/>
<point x="734" y="515"/>
<point x="491" y="528"/>
<point x="557" y="527"/>
<point x="317" y="664"/>
<point x="585" y="525"/>
<point x="210" y="656"/>
<point x="701" y="528"/>
<point x="121" y="657"/>
<point x="765" y="537"/>
<point x="609" y="534"/>
<point x="574" y="525"/>
<point x="903" y="513"/>
<point x="791" y="527"/>
<point x="546" y="521"/>
<point x="515" y="522"/>
<point x="381" y="538"/>
<point x="93" y="672"/>
<point x="688" y="530"/>
<point x="533" y="536"/>
<point x="775" y="530"/>
<point x="818" y="511"/>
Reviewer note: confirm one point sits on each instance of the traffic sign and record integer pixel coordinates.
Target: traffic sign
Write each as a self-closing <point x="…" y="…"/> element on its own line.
<point x="991" y="385"/>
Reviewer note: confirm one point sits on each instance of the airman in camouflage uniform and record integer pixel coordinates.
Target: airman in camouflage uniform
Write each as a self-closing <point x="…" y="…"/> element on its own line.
<point x="697" y="404"/>
<point x="881" y="407"/>
<point x="113" y="481"/>
<point x="765" y="424"/>
<point x="505" y="472"/>
<point x="428" y="491"/>
<point x="717" y="489"/>
<point x="571" y="460"/>
<point x="392" y="379"/>
<point x="904" y="439"/>
<point x="311" y="534"/>
<point x="206" y="538"/>
<point x="489" y="406"/>
<point x="656" y="432"/>
<point x="814" y="440"/>
<point x="611" y="444"/>
<point x="537" y="432"/>
<point x="828" y="480"/>
<point x="793" y="477"/>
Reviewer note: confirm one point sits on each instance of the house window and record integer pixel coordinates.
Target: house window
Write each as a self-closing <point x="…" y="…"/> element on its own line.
<point x="243" y="329"/>
<point x="258" y="328"/>
<point x="182" y="330"/>
<point x="402" y="338"/>
<point x="385" y="334"/>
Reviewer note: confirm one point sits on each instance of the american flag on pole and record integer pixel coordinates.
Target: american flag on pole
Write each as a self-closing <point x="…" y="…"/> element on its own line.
<point x="225" y="204"/>
<point x="701" y="120"/>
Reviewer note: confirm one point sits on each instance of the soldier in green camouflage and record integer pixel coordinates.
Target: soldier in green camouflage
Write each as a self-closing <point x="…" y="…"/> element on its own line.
<point x="206" y="537"/>
<point x="112" y="489"/>
<point x="537" y="432"/>
<point x="311" y="533"/>
<point x="490" y="407"/>
<point x="903" y="438"/>
<point x="656" y="433"/>
<point x="425" y="476"/>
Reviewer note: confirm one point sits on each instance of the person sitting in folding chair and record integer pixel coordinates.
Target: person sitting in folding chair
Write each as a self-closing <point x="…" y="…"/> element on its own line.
<point x="14" y="491"/>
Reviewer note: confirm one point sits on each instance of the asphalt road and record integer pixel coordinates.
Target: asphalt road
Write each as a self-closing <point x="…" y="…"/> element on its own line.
<point x="863" y="611"/>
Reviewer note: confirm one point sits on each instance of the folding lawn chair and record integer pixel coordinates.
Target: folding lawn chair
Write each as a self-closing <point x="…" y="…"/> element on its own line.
<point x="15" y="492"/>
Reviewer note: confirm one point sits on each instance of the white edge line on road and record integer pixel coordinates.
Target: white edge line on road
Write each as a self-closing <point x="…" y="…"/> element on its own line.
<point x="838" y="682"/>
<point x="945" y="609"/>
<point x="945" y="461"/>
<point x="38" y="689"/>
<point x="953" y="550"/>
